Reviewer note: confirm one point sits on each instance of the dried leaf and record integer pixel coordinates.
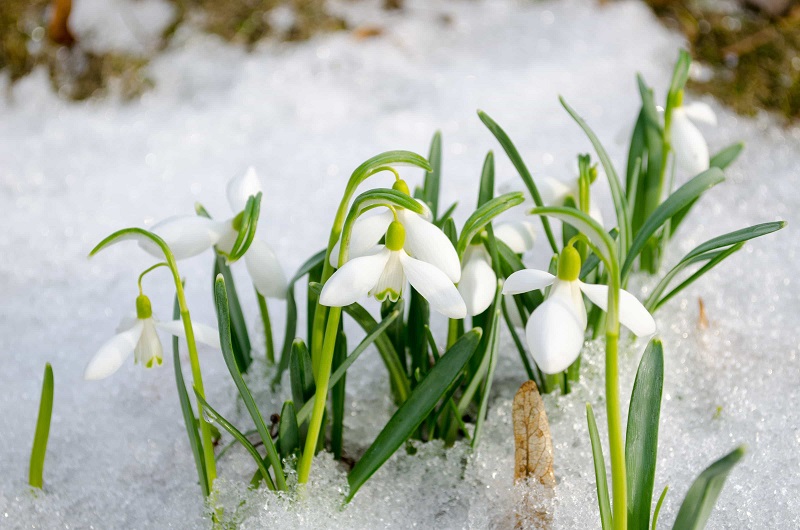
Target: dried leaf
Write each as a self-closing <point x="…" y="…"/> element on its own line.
<point x="533" y="459"/>
<point x="534" y="447"/>
<point x="367" y="32"/>
<point x="702" y="318"/>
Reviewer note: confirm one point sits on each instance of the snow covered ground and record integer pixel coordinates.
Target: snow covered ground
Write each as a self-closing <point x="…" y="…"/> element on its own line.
<point x="305" y="115"/>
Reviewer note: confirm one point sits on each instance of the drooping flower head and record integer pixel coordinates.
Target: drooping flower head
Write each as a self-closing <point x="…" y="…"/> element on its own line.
<point x="555" y="330"/>
<point x="414" y="251"/>
<point x="686" y="140"/>
<point x="190" y="235"/>
<point x="138" y="336"/>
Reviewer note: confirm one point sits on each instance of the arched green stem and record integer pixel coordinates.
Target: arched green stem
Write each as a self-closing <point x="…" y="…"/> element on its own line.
<point x="197" y="376"/>
<point x="148" y="270"/>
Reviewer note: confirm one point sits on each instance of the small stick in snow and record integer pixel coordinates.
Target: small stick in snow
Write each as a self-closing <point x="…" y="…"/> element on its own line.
<point x="702" y="317"/>
<point x="533" y="458"/>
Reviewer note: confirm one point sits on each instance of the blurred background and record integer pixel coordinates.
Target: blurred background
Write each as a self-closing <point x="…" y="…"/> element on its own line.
<point x="748" y="50"/>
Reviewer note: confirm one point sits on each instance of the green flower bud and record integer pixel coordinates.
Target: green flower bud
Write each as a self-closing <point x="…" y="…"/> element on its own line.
<point x="401" y="186"/>
<point x="395" y="236"/>
<point x="569" y="264"/>
<point x="143" y="308"/>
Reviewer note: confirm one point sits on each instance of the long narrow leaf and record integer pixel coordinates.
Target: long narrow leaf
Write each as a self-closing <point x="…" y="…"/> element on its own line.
<point x="433" y="177"/>
<point x="223" y="317"/>
<point x="484" y="215"/>
<point x="727" y="156"/>
<point x="288" y="431"/>
<point x="215" y="416"/>
<point x="617" y="193"/>
<point x="413" y="412"/>
<point x="195" y="442"/>
<point x="39" y="449"/>
<point x="513" y="155"/>
<point x="641" y="438"/>
<point x="603" y="500"/>
<point x="675" y="203"/>
<point x="703" y="494"/>
<point x="737" y="236"/>
<point x="240" y="339"/>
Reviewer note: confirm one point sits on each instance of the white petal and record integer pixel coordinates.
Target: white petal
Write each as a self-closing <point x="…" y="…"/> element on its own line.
<point x="113" y="353"/>
<point x="594" y="213"/>
<point x="555" y="330"/>
<point x="427" y="243"/>
<point x="149" y="351"/>
<point x="392" y="280"/>
<point x="186" y="235"/>
<point x="513" y="311"/>
<point x="265" y="270"/>
<point x="691" y="150"/>
<point x="241" y="187"/>
<point x="527" y="280"/>
<point x="434" y="285"/>
<point x="367" y="231"/>
<point x="701" y="112"/>
<point x="478" y="280"/>
<point x="202" y="333"/>
<point x="518" y="235"/>
<point x="354" y="279"/>
<point x="632" y="314"/>
<point x="554" y="192"/>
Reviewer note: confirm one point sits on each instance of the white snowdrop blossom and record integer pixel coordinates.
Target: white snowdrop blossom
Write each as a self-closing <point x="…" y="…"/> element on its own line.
<point x="190" y="235"/>
<point x="555" y="330"/>
<point x="423" y="240"/>
<point x="686" y="140"/>
<point x="383" y="274"/>
<point x="138" y="336"/>
<point x="478" y="279"/>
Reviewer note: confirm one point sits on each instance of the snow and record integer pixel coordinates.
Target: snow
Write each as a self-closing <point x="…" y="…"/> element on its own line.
<point x="305" y="115"/>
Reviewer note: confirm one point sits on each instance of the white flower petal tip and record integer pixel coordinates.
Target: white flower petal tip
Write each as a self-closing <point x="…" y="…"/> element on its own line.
<point x="265" y="270"/>
<point x="632" y="314"/>
<point x="354" y="279"/>
<point x="241" y="187"/>
<point x="691" y="149"/>
<point x="434" y="285"/>
<point x="478" y="281"/>
<point x="555" y="334"/>
<point x="554" y="192"/>
<point x="527" y="280"/>
<point x="519" y="236"/>
<point x="424" y="241"/>
<point x="113" y="353"/>
<point x="185" y="235"/>
<point x="701" y="112"/>
<point x="366" y="233"/>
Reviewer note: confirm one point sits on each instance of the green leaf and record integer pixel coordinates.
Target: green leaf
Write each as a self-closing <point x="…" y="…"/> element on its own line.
<point x="215" y="416"/>
<point x="372" y="336"/>
<point x="674" y="204"/>
<point x="519" y="165"/>
<point x="617" y="193"/>
<point x="301" y="373"/>
<point x="414" y="410"/>
<point x="737" y="236"/>
<point x="195" y="441"/>
<point x="727" y="156"/>
<point x="635" y="152"/>
<point x="223" y="318"/>
<point x="598" y="237"/>
<point x="658" y="507"/>
<point x="288" y="432"/>
<point x="338" y="397"/>
<point x="641" y="438"/>
<point x="703" y="494"/>
<point x="679" y="76"/>
<point x="603" y="500"/>
<point x="484" y="215"/>
<point x="447" y="215"/>
<point x="486" y="189"/>
<point x="240" y="339"/>
<point x="39" y="449"/>
<point x="432" y="182"/>
<point x="247" y="230"/>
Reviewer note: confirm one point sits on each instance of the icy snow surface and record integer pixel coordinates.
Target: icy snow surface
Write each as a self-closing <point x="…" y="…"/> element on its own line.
<point x="305" y="115"/>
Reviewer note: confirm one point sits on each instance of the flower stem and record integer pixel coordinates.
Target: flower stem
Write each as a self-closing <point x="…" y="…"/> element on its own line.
<point x="321" y="394"/>
<point x="270" y="344"/>
<point x="616" y="440"/>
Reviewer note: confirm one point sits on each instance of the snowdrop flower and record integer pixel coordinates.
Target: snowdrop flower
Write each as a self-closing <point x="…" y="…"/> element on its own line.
<point x="553" y="192"/>
<point x="478" y="280"/>
<point x="138" y="336"/>
<point x="383" y="274"/>
<point x="556" y="329"/>
<point x="686" y="140"/>
<point x="190" y="235"/>
<point x="423" y="239"/>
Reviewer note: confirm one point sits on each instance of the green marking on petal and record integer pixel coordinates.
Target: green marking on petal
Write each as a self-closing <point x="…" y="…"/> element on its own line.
<point x="393" y="295"/>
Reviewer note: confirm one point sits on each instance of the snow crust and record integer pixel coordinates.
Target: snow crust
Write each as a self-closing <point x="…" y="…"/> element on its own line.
<point x="305" y="115"/>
